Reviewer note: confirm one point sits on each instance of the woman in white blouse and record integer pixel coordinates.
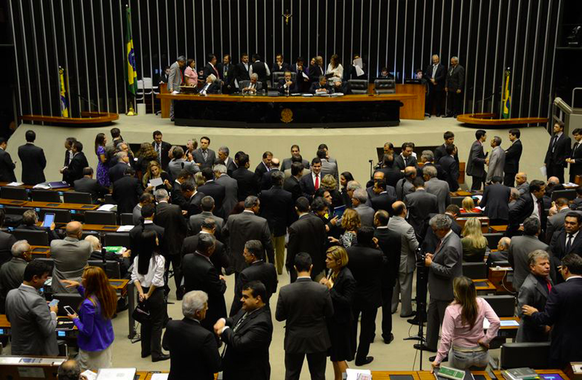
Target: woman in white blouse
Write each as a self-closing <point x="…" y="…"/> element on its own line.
<point x="148" y="278"/>
<point x="335" y="67"/>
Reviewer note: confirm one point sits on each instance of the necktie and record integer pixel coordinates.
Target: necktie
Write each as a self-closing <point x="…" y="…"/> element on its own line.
<point x="240" y="321"/>
<point x="316" y="182"/>
<point x="434" y="69"/>
<point x="159" y="150"/>
<point x="549" y="285"/>
<point x="540" y="208"/>
<point x="554" y="143"/>
<point x="569" y="243"/>
<point x="204" y="154"/>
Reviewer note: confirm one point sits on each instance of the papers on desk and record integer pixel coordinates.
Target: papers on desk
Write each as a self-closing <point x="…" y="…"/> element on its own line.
<point x="336" y="95"/>
<point x="43" y="186"/>
<point x="307" y="95"/>
<point x="159" y="376"/>
<point x="504" y="323"/>
<point x="89" y="375"/>
<point x="155" y="182"/>
<point x="358" y="374"/>
<point x="566" y="185"/>
<point x="125" y="228"/>
<point x="15" y="184"/>
<point x="175" y="92"/>
<point x="107" y="207"/>
<point x="116" y="374"/>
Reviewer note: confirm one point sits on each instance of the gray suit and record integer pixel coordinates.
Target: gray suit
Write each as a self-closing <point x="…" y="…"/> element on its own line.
<point x="556" y="222"/>
<point x="195" y="221"/>
<point x="519" y="249"/>
<point x="70" y="256"/>
<point x="441" y="190"/>
<point x="11" y="275"/>
<point x="403" y="188"/>
<point x="531" y="293"/>
<point x="447" y="263"/>
<point x="175" y="77"/>
<point x="496" y="163"/>
<point x="176" y="166"/>
<point x="409" y="244"/>
<point x="523" y="188"/>
<point x="199" y="158"/>
<point x="366" y="215"/>
<point x="136" y="214"/>
<point x="329" y="168"/>
<point x="230" y="193"/>
<point x="303" y="174"/>
<point x="33" y="326"/>
<point x="286" y="164"/>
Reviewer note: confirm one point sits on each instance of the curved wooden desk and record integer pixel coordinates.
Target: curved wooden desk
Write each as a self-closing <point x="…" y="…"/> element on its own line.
<point x="489" y="119"/>
<point x="87" y="119"/>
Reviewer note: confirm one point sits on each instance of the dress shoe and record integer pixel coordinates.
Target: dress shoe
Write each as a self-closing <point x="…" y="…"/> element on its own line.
<point x="160" y="358"/>
<point x="389" y="339"/>
<point x="145" y="355"/>
<point x="367" y="360"/>
<point x="408" y="315"/>
<point x="414" y="321"/>
<point x="423" y="347"/>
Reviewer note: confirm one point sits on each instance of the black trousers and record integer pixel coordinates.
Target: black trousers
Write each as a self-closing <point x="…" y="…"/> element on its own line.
<point x="478" y="182"/>
<point x="509" y="179"/>
<point x="555" y="170"/>
<point x="367" y="329"/>
<point x="387" y="292"/>
<point x="455" y="102"/>
<point x="176" y="261"/>
<point x="151" y="333"/>
<point x="316" y="362"/>
<point x="434" y="99"/>
<point x="421" y="291"/>
<point x="436" y="314"/>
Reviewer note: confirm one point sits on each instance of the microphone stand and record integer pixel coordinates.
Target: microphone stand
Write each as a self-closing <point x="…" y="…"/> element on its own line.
<point x="421" y="277"/>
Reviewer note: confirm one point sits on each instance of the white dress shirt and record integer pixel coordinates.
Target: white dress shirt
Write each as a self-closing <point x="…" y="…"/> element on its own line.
<point x="155" y="275"/>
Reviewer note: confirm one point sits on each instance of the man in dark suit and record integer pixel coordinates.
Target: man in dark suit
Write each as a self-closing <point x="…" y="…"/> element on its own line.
<point x="126" y="192"/>
<point x="441" y="150"/>
<point x="162" y="148"/>
<point x="79" y="162"/>
<point x="525" y="206"/>
<point x="277" y="206"/>
<point x="311" y="183"/>
<point x="421" y="204"/>
<point x="246" y="226"/>
<point x="193" y="349"/>
<point x="261" y="69"/>
<point x="563" y="312"/>
<point x="575" y="159"/>
<point x="6" y="241"/>
<point x="295" y="157"/>
<point x="534" y="292"/>
<point x="247" y="181"/>
<point x="88" y="184"/>
<point x="444" y="265"/>
<point x="558" y="150"/>
<point x="366" y="263"/>
<point x="193" y="197"/>
<point x="454" y="87"/>
<point x="436" y="186"/>
<point x="567" y="240"/>
<point x="243" y="67"/>
<point x="320" y="86"/>
<point x="6" y="164"/>
<point x="512" y="156"/>
<point x="435" y="73"/>
<point x="495" y="201"/>
<point x="257" y="270"/>
<point x="119" y="169"/>
<point x="405" y="158"/>
<point x="556" y="221"/>
<point x="248" y="335"/>
<point x="383" y="200"/>
<point x="308" y="235"/>
<point x="33" y="160"/>
<point x="219" y="258"/>
<point x="210" y="67"/>
<point x="451" y="167"/>
<point x="230" y="188"/>
<point x="204" y="156"/>
<point x="520" y="247"/>
<point x="264" y="166"/>
<point x="390" y="243"/>
<point x="301" y="72"/>
<point x="293" y="184"/>
<point x="225" y="67"/>
<point x="200" y="274"/>
<point x="305" y="331"/>
<point x="286" y="85"/>
<point x="476" y="161"/>
<point x="214" y="190"/>
<point x="170" y="217"/>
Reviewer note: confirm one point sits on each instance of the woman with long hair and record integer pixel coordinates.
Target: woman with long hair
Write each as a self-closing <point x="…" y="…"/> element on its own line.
<point x="94" y="318"/>
<point x="329" y="183"/>
<point x="350" y="224"/>
<point x="335" y="68"/>
<point x="154" y="171"/>
<point x="462" y="331"/>
<point x="474" y="243"/>
<point x="102" y="165"/>
<point x="145" y="155"/>
<point x="342" y="288"/>
<point x="346" y="177"/>
<point x="148" y="278"/>
<point x="469" y="206"/>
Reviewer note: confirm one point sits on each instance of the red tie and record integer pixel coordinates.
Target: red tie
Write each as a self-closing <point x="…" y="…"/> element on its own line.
<point x="316" y="182"/>
<point x="549" y="285"/>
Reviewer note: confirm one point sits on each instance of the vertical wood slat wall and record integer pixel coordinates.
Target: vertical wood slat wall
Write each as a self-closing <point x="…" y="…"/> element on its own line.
<point x="87" y="38"/>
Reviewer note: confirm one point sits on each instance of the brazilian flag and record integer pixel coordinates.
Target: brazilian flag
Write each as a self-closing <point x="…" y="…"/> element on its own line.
<point x="130" y="55"/>
<point x="63" y="95"/>
<point x="506" y="100"/>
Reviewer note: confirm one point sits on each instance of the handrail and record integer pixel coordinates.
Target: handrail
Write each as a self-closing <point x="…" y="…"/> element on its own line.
<point x="86" y="119"/>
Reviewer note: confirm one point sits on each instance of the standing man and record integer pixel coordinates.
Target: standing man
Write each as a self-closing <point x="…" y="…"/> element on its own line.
<point x="79" y="162"/>
<point x="435" y="73"/>
<point x="406" y="158"/>
<point x="33" y="161"/>
<point x="204" y="156"/>
<point x="575" y="159"/>
<point x="476" y="161"/>
<point x="454" y="87"/>
<point x="162" y="148"/>
<point x="558" y="150"/>
<point x="242" y="69"/>
<point x="247" y="181"/>
<point x="420" y="204"/>
<point x="230" y="188"/>
<point x="496" y="161"/>
<point x="213" y="189"/>
<point x="6" y="164"/>
<point x="224" y="68"/>
<point x="495" y="201"/>
<point x="210" y="68"/>
<point x="567" y="240"/>
<point x="261" y="69"/>
<point x="175" y="80"/>
<point x="311" y="183"/>
<point x="435" y="186"/>
<point x="33" y="322"/>
<point x="264" y="166"/>
<point x="512" y="156"/>
<point x="450" y="166"/>
<point x="441" y="151"/>
<point x="295" y="152"/>
<point x="520" y="248"/>
<point x="306" y="330"/>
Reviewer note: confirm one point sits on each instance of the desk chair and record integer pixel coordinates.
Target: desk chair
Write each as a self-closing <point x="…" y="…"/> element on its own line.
<point x="109" y="199"/>
<point x="77" y="197"/>
<point x="116" y="239"/>
<point x="457" y="201"/>
<point x="493" y="239"/>
<point x="503" y="305"/>
<point x="69" y="299"/>
<point x="13" y="210"/>
<point x="533" y="355"/>
<point x="100" y="217"/>
<point x="475" y="271"/>
<point x="111" y="267"/>
<point x="14" y="193"/>
<point x="385" y="86"/>
<point x="569" y="194"/>
<point x="33" y="237"/>
<point x="126" y="219"/>
<point x="61" y="216"/>
<point x="359" y="86"/>
<point x="45" y="196"/>
<point x="47" y="260"/>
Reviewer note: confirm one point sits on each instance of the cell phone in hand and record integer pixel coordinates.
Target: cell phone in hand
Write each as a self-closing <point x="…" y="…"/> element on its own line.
<point x="49" y="219"/>
<point x="54" y="302"/>
<point x="69" y="310"/>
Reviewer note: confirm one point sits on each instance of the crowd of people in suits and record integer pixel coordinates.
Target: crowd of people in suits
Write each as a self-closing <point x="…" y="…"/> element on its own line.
<point x="349" y="248"/>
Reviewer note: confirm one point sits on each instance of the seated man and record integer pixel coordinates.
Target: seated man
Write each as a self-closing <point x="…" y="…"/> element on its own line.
<point x="254" y="85"/>
<point x="320" y="87"/>
<point x="12" y="272"/>
<point x="212" y="86"/>
<point x="340" y="87"/>
<point x="287" y="85"/>
<point x="29" y="221"/>
<point x="502" y="252"/>
<point x="70" y="370"/>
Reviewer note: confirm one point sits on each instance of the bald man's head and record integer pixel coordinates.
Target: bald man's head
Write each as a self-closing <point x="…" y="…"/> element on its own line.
<point x="410" y="172"/>
<point x="275" y="162"/>
<point x="553" y="181"/>
<point x="74" y="230"/>
<point x="520" y="178"/>
<point x="69" y="370"/>
<point x="399" y="208"/>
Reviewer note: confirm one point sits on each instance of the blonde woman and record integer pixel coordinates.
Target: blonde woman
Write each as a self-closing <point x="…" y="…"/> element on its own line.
<point x="329" y="183"/>
<point x="469" y="206"/>
<point x="154" y="171"/>
<point x="474" y="243"/>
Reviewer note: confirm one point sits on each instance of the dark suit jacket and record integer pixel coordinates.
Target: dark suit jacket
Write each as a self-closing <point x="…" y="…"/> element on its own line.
<point x="367" y="266"/>
<point x="512" y="156"/>
<point x="33" y="164"/>
<point x="576" y="155"/>
<point x="199" y="158"/>
<point x="193" y="350"/>
<point x="316" y="86"/>
<point x="307" y="234"/>
<point x="6" y="167"/>
<point x="75" y="169"/>
<point x="277" y="206"/>
<point x="383" y="201"/>
<point x="124" y="262"/>
<point x="439" y="77"/>
<point x="242" y="72"/>
<point x="217" y="192"/>
<point x="165" y="150"/>
<point x="392" y="175"/>
<point x="420" y="205"/>
<point x="248" y="183"/>
<point x="126" y="192"/>
<point x="496" y="201"/>
<point x="193" y="206"/>
<point x="563" y="312"/>
<point x="209" y="69"/>
<point x="6" y="242"/>
<point x="447" y="264"/>
<point x="520" y="211"/>
<point x="476" y="160"/>
<point x="342" y="296"/>
<point x="170" y="217"/>
<point x="308" y="186"/>
<point x="118" y="171"/>
<point x="399" y="162"/>
<point x="293" y="186"/>
<point x="390" y="243"/>
<point x="200" y="274"/>
<point x="91" y="186"/>
<point x="306" y="329"/>
<point x="260" y="170"/>
<point x="257" y="271"/>
<point x="451" y="168"/>
<point x="531" y="293"/>
<point x="455" y="78"/>
<point x="247" y="349"/>
<point x="558" y="245"/>
<point x="302" y="82"/>
<point x="314" y="73"/>
<point x="441" y="152"/>
<point x="219" y="258"/>
<point x="561" y="151"/>
<point x="292" y="89"/>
